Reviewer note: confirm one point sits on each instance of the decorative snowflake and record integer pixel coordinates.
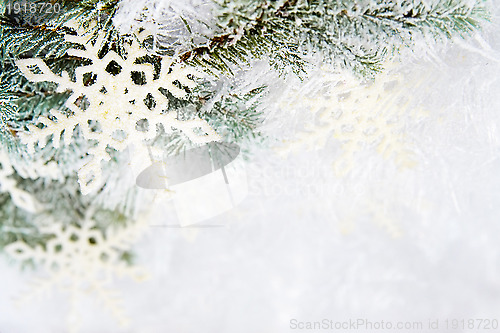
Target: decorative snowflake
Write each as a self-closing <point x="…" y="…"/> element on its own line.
<point x="358" y="115"/>
<point x="117" y="103"/>
<point x="81" y="260"/>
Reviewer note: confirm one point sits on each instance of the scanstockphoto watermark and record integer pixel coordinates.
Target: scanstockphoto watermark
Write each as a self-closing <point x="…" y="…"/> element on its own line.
<point x="308" y="179"/>
<point x="363" y="324"/>
<point x="355" y="324"/>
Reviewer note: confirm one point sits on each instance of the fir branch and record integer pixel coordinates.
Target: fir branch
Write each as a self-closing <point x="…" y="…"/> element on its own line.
<point x="30" y="41"/>
<point x="236" y="117"/>
<point x="22" y="38"/>
<point x="359" y="36"/>
<point x="241" y="45"/>
<point x="7" y="114"/>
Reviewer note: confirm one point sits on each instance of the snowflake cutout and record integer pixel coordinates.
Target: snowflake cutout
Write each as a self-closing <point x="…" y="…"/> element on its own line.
<point x="117" y="102"/>
<point x="357" y="115"/>
<point x="81" y="260"/>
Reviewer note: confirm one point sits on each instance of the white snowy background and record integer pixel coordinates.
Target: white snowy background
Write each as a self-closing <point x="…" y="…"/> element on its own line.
<point x="381" y="242"/>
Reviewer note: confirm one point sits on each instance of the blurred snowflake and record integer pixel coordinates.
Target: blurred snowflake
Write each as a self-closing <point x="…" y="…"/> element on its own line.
<point x="81" y="260"/>
<point x="360" y="115"/>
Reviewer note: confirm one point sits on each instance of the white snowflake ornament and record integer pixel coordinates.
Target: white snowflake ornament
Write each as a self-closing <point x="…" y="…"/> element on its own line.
<point x="117" y="103"/>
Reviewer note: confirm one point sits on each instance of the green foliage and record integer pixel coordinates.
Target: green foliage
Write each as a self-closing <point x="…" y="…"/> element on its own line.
<point x="227" y="52"/>
<point x="7" y="113"/>
<point x="44" y="37"/>
<point x="241" y="43"/>
<point x="236" y="117"/>
<point x="16" y="224"/>
<point x="357" y="35"/>
<point x="62" y="203"/>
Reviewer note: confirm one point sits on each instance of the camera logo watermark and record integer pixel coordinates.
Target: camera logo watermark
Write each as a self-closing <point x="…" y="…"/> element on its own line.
<point x="204" y="181"/>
